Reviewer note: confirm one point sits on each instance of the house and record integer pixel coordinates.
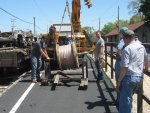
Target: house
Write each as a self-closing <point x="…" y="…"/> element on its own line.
<point x="140" y="29"/>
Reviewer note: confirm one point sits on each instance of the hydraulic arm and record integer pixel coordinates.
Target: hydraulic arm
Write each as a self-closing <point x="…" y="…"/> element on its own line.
<point x="76" y="7"/>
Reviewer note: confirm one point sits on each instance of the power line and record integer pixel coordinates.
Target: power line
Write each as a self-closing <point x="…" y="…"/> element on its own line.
<point x="20" y="18"/>
<point x="4" y="25"/>
<point x="15" y="16"/>
<point x="40" y="9"/>
<point x="40" y="28"/>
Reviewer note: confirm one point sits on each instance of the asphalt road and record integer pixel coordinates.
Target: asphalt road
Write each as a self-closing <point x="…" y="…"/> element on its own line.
<point x="27" y="97"/>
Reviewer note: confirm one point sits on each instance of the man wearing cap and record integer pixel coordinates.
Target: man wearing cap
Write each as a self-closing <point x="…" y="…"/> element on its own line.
<point x="120" y="47"/>
<point x="38" y="50"/>
<point x="131" y="75"/>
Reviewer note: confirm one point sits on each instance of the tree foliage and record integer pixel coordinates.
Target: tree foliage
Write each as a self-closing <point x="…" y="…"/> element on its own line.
<point x="134" y="5"/>
<point x="122" y="23"/>
<point x="90" y="33"/>
<point x="140" y="8"/>
<point x="107" y="28"/>
<point x="110" y="26"/>
<point x="89" y="30"/>
<point x="135" y="19"/>
<point x="145" y="9"/>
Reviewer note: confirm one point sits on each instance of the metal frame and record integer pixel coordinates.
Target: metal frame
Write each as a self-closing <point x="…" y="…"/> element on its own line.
<point x="59" y="77"/>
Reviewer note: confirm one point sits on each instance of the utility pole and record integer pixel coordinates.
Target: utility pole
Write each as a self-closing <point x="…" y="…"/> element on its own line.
<point x="47" y="29"/>
<point x="118" y="20"/>
<point x="34" y="25"/>
<point x="99" y="24"/>
<point x="13" y="24"/>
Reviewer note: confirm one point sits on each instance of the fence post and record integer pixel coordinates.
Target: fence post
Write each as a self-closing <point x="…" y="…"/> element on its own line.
<point x="111" y="61"/>
<point x="106" y="56"/>
<point x="140" y="100"/>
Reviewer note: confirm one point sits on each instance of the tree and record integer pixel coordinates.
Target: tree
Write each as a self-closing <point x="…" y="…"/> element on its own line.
<point x="107" y="28"/>
<point x="90" y="34"/>
<point x="88" y="29"/>
<point x="135" y="19"/>
<point x="145" y="9"/>
<point x="141" y="8"/>
<point x="122" y="23"/>
<point x="110" y="26"/>
<point x="134" y="5"/>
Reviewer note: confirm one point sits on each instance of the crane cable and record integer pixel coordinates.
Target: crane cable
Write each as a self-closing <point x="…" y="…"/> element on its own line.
<point x="62" y="18"/>
<point x="72" y="30"/>
<point x="67" y="7"/>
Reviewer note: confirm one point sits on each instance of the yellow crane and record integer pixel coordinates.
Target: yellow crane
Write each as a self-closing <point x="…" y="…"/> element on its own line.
<point x="75" y="18"/>
<point x="66" y="48"/>
<point x="76" y="33"/>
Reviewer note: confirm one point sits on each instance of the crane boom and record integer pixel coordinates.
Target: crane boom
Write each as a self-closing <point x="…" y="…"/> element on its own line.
<point x="76" y="6"/>
<point x="75" y="18"/>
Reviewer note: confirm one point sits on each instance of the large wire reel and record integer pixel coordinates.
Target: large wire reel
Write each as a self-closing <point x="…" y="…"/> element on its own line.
<point x="66" y="56"/>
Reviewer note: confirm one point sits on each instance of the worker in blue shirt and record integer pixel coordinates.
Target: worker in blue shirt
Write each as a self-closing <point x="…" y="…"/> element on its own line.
<point x="36" y="58"/>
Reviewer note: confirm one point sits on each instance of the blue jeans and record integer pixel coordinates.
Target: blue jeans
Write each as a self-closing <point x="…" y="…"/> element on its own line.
<point x="100" y="69"/>
<point x="117" y="73"/>
<point x="36" y="64"/>
<point x="129" y="86"/>
<point x="117" y="69"/>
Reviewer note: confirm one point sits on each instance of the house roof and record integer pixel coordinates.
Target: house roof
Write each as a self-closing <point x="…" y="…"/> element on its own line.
<point x="131" y="27"/>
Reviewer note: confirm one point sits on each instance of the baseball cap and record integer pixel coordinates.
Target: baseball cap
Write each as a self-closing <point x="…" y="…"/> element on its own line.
<point x="123" y="30"/>
<point x="129" y="33"/>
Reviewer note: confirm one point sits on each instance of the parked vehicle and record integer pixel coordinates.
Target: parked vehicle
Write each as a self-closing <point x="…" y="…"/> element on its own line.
<point x="14" y="50"/>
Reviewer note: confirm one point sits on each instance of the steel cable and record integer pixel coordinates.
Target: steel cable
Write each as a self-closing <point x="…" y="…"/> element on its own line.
<point x="66" y="56"/>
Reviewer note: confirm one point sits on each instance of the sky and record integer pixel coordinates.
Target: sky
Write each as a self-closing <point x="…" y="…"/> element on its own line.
<point x="48" y="12"/>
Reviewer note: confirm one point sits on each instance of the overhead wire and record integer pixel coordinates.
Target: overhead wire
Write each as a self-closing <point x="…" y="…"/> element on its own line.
<point x="15" y="16"/>
<point x="39" y="28"/>
<point x="40" y="9"/>
<point x="20" y="18"/>
<point x="4" y="25"/>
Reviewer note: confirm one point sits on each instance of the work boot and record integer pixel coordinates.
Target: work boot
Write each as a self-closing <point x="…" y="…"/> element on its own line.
<point x="34" y="81"/>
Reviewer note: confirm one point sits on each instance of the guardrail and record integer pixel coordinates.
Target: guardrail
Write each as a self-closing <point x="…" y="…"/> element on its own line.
<point x="110" y="50"/>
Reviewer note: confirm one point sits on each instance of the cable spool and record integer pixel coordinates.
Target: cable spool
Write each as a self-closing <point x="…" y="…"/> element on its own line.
<point x="66" y="56"/>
